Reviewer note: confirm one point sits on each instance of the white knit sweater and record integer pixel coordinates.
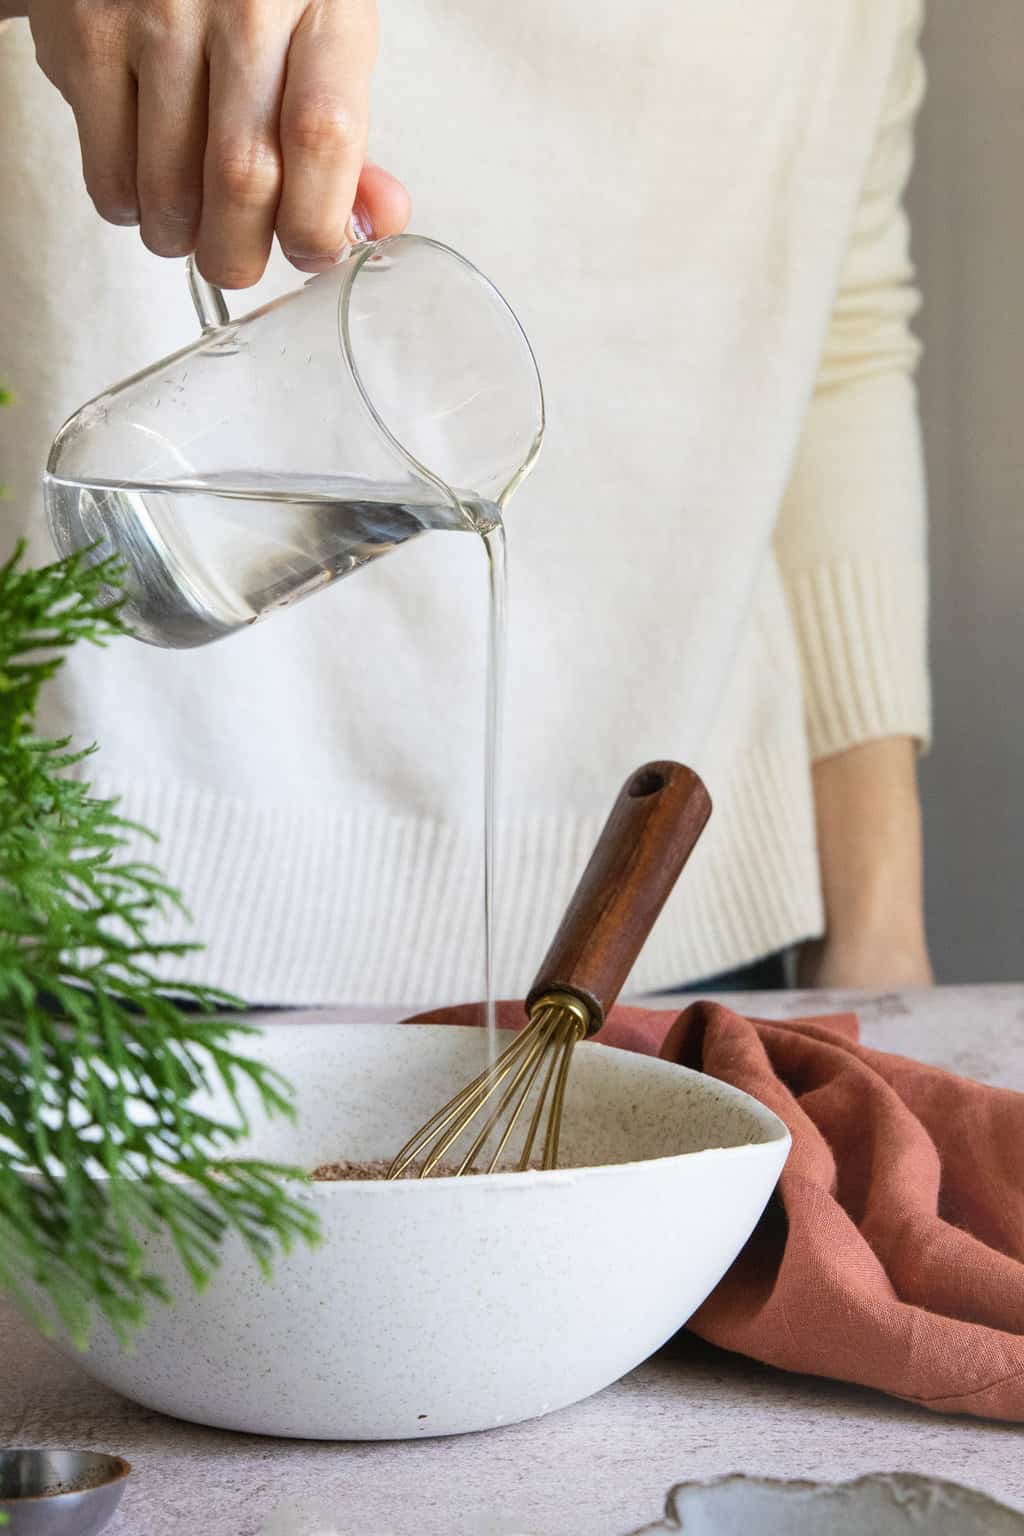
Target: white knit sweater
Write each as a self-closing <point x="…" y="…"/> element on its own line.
<point x="695" y="209"/>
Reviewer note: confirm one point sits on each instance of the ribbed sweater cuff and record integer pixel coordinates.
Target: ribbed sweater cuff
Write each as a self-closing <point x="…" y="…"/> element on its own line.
<point x="862" y="632"/>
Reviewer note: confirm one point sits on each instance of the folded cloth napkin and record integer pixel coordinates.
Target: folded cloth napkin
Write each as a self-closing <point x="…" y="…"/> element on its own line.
<point x="892" y="1254"/>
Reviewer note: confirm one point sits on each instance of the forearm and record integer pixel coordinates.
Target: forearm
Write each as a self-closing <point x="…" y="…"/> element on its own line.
<point x="869" y="839"/>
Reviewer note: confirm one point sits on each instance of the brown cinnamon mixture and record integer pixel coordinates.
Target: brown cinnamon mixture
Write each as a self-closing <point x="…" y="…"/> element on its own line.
<point x="329" y="1173"/>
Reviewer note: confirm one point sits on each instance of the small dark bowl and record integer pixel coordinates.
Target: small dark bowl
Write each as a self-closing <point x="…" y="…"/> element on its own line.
<point x="59" y="1493"/>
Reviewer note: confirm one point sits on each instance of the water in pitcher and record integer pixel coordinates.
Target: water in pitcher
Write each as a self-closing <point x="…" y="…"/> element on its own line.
<point x="208" y="556"/>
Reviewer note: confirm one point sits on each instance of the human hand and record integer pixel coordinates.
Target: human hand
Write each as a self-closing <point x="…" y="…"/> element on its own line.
<point x="214" y="124"/>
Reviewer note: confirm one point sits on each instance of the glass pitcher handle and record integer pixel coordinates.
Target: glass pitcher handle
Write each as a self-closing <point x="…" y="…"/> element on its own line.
<point x="210" y="304"/>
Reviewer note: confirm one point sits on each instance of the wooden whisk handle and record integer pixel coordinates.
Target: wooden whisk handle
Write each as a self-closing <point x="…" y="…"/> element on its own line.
<point x="653" y="827"/>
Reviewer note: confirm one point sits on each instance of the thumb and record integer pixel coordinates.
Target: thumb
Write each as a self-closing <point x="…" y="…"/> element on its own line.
<point x="382" y="206"/>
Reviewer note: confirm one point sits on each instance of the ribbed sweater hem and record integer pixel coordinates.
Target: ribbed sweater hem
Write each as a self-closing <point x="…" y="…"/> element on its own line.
<point x="300" y="905"/>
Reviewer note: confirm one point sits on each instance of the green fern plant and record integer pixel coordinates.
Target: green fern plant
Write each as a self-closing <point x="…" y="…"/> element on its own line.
<point x="100" y="1058"/>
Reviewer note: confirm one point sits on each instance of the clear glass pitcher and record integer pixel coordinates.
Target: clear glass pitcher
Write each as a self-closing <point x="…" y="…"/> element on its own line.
<point x="394" y="394"/>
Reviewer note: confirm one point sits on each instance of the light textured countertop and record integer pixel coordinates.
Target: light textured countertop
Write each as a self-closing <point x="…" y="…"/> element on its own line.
<point x="601" y="1468"/>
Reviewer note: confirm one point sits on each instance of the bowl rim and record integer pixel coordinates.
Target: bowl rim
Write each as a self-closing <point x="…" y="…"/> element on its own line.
<point x="513" y="1178"/>
<point x="118" y="1470"/>
<point x="776" y="1132"/>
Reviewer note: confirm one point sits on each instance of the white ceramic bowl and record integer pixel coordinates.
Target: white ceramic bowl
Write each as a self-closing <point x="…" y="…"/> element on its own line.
<point x="437" y="1307"/>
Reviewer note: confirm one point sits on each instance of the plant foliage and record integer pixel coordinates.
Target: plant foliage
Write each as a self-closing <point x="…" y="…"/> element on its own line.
<point x="102" y="1139"/>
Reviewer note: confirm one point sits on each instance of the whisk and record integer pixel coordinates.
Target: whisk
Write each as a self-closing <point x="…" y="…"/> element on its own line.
<point x="653" y="827"/>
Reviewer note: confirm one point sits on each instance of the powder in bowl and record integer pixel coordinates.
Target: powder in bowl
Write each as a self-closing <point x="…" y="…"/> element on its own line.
<point x="347" y="1169"/>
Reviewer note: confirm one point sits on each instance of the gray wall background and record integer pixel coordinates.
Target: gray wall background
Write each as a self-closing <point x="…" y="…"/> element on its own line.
<point x="967" y="206"/>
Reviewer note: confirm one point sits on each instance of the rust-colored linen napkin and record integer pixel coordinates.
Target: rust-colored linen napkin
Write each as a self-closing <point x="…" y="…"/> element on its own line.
<point x="892" y="1254"/>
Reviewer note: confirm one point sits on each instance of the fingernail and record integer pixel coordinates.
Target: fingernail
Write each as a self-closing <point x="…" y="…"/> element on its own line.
<point x="360" y="224"/>
<point x="316" y="263"/>
<point x="124" y="216"/>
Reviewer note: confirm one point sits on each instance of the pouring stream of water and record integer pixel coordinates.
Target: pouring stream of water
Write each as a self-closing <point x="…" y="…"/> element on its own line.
<point x="497" y="572"/>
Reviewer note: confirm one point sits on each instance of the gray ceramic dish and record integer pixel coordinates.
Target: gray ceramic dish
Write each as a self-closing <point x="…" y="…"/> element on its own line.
<point x="898" y="1503"/>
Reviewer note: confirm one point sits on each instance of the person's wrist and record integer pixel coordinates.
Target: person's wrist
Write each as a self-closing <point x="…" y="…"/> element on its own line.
<point x="869" y="837"/>
<point x="882" y="949"/>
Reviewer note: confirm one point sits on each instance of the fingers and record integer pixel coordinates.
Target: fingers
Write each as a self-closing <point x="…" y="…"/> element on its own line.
<point x="171" y="141"/>
<point x="242" y="173"/>
<point x="106" y="115"/>
<point x="324" y="121"/>
<point x="215" y="124"/>
<point x="82" y="50"/>
<point x="100" y="85"/>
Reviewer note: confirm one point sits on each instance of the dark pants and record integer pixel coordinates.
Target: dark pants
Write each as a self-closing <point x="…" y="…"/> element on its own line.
<point x="767" y="975"/>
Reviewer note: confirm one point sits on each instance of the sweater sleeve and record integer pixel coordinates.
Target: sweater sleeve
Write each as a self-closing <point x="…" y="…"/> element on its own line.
<point x="851" y="538"/>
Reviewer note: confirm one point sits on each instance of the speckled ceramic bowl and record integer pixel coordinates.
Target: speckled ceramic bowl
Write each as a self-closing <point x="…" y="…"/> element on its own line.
<point x="437" y="1307"/>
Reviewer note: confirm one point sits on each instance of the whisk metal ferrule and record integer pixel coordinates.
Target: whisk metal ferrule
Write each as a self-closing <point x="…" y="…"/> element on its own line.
<point x="588" y="1022"/>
